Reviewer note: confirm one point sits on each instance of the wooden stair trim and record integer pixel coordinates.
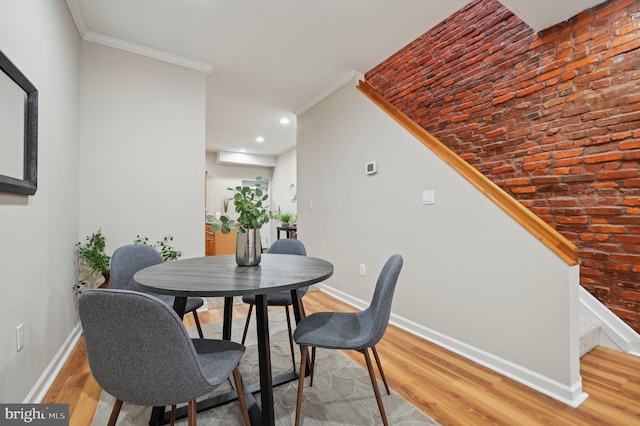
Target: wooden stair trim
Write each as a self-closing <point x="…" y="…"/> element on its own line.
<point x="551" y="238"/>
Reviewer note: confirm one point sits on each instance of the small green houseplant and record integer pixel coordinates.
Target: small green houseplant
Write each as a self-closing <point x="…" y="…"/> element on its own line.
<point x="250" y="204"/>
<point x="163" y="246"/>
<point x="94" y="251"/>
<point x="92" y="269"/>
<point x="284" y="218"/>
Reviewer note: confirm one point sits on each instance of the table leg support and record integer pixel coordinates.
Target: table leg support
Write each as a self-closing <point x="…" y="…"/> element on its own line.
<point x="264" y="359"/>
<point x="228" y="318"/>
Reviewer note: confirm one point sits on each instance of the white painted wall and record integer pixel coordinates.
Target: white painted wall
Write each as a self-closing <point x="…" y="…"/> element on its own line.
<point x="142" y="158"/>
<point x="37" y="233"/>
<point x="473" y="279"/>
<point x="284" y="174"/>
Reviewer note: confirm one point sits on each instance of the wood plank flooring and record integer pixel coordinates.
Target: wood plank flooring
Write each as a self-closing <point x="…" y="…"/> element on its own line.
<point x="447" y="387"/>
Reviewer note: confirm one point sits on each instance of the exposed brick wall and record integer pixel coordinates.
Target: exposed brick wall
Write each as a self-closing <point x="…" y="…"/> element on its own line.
<point x="552" y="117"/>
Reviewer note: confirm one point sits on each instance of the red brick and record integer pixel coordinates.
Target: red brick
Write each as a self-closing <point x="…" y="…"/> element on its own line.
<point x="516" y="182"/>
<point x="629" y="145"/>
<point x="582" y="62"/>
<point x="568" y="162"/>
<point x="610" y="156"/>
<point x="502" y="99"/>
<point x="567" y="154"/>
<point x="495" y="133"/>
<point x="529" y="90"/>
<point x="507" y="168"/>
<point x="524" y="189"/>
<point x="618" y="174"/>
<point x="608" y="229"/>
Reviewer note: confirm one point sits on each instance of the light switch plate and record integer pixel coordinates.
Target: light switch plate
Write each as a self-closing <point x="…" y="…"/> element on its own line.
<point x="429" y="197"/>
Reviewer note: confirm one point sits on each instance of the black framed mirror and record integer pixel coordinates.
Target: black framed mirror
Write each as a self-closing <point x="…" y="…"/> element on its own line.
<point x="18" y="131"/>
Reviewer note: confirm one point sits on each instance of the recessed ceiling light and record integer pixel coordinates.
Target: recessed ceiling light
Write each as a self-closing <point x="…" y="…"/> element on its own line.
<point x="243" y="150"/>
<point x="259" y="139"/>
<point x="284" y="120"/>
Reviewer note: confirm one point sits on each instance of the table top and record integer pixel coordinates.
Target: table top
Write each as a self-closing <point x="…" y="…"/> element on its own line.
<point x="220" y="276"/>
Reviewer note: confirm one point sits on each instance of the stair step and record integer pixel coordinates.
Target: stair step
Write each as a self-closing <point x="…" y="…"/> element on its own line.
<point x="589" y="334"/>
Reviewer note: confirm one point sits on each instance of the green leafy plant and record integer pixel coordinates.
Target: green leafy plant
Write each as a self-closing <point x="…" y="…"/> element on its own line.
<point x="94" y="251"/>
<point x="250" y="204"/>
<point x="284" y="217"/>
<point x="92" y="267"/>
<point x="163" y="246"/>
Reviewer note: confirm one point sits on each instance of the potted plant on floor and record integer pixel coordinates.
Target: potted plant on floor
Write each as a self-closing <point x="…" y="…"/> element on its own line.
<point x="250" y="204"/>
<point x="92" y="268"/>
<point x="163" y="246"/>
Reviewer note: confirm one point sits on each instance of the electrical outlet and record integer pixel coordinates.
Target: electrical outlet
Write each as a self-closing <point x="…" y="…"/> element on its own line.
<point x="363" y="269"/>
<point x="19" y="337"/>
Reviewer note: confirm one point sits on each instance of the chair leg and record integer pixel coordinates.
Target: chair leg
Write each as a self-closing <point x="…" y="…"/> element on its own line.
<point x="384" y="379"/>
<point x="374" y="383"/>
<point x="304" y="350"/>
<point x="313" y="365"/>
<point x="173" y="415"/>
<point x="115" y="412"/>
<point x="293" y="354"/>
<point x="193" y="412"/>
<point x="246" y="324"/>
<point x="241" y="399"/>
<point x="197" y="320"/>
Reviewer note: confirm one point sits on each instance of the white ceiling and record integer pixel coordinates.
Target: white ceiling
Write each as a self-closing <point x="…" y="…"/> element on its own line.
<point x="268" y="59"/>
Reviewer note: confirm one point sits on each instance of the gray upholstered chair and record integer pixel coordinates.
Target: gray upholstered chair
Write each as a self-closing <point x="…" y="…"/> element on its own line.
<point x="140" y="352"/>
<point x="359" y="331"/>
<point x="127" y="260"/>
<point x="281" y="298"/>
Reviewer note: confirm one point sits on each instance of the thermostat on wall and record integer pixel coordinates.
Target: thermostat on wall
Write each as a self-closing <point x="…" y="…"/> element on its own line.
<point x="372" y="167"/>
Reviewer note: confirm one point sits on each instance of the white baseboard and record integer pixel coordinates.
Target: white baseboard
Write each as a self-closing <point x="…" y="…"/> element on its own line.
<point x="617" y="331"/>
<point x="50" y="373"/>
<point x="569" y="395"/>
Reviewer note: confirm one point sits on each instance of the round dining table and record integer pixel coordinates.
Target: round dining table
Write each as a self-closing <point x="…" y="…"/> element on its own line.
<point x="220" y="276"/>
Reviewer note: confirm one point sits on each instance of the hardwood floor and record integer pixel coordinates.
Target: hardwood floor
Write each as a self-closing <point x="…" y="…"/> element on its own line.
<point x="449" y="388"/>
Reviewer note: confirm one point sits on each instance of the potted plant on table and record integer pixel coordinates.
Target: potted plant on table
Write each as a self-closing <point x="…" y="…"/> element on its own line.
<point x="250" y="204"/>
<point x="92" y="267"/>
<point x="284" y="218"/>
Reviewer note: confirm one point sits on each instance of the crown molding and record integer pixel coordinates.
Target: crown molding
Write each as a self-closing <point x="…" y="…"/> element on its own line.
<point x="138" y="49"/>
<point x="326" y="93"/>
<point x="77" y="16"/>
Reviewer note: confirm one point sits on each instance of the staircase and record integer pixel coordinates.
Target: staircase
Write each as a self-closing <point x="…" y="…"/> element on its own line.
<point x="589" y="334"/>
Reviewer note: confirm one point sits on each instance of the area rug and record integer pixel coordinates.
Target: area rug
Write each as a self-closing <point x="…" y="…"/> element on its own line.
<point x="341" y="393"/>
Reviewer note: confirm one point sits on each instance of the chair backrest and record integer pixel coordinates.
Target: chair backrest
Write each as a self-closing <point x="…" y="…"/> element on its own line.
<point x="288" y="246"/>
<point x="377" y="314"/>
<point x="127" y="260"/>
<point x="138" y="349"/>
